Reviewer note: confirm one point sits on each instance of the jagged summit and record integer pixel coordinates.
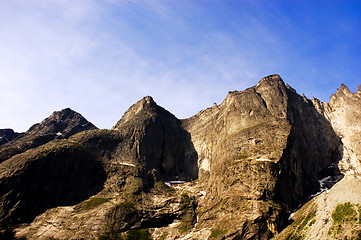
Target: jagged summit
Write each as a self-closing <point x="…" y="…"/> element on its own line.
<point x="158" y="140"/>
<point x="143" y="109"/>
<point x="64" y="123"/>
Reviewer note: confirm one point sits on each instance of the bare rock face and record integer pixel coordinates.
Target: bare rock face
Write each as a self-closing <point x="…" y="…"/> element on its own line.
<point x="156" y="139"/>
<point x="61" y="124"/>
<point x="313" y="152"/>
<point x="265" y="147"/>
<point x="344" y="113"/>
<point x="335" y="214"/>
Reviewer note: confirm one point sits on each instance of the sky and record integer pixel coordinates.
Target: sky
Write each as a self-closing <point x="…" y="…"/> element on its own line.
<point x="99" y="57"/>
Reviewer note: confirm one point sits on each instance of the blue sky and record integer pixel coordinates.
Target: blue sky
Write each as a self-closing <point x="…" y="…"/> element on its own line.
<point x="100" y="57"/>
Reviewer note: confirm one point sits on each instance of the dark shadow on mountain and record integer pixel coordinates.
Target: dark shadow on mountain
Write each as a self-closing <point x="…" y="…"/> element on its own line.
<point x="309" y="163"/>
<point x="167" y="147"/>
<point x="63" y="176"/>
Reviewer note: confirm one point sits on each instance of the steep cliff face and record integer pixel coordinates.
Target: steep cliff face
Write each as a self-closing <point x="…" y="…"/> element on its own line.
<point x="61" y="124"/>
<point x="336" y="213"/>
<point x="343" y="112"/>
<point x="312" y="153"/>
<point x="266" y="147"/>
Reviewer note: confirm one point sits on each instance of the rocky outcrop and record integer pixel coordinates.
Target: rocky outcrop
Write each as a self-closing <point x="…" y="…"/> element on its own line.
<point x="7" y="135"/>
<point x="61" y="124"/>
<point x="146" y="145"/>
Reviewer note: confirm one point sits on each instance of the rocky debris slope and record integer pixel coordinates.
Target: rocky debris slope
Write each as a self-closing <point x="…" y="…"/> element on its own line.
<point x="61" y="124"/>
<point x="247" y="164"/>
<point x="334" y="214"/>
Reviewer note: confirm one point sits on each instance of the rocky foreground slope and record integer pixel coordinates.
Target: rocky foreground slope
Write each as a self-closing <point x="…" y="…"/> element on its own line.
<point x="233" y="171"/>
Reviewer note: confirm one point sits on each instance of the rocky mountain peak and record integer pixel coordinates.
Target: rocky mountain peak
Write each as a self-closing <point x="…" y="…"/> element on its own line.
<point x="59" y="125"/>
<point x="63" y="123"/>
<point x="157" y="140"/>
<point x="273" y="78"/>
<point x="273" y="91"/>
<point x="144" y="110"/>
<point x="344" y="90"/>
<point x="344" y="95"/>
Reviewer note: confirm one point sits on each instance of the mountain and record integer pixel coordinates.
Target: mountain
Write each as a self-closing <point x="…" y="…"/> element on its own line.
<point x="233" y="171"/>
<point x="61" y="124"/>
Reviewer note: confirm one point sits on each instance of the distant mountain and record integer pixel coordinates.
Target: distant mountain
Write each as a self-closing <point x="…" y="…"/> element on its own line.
<point x="61" y="124"/>
<point x="233" y="171"/>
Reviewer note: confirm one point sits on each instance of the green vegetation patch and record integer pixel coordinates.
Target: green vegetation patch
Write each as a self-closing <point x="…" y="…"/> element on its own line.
<point x="187" y="215"/>
<point x="342" y="212"/>
<point x="291" y="237"/>
<point x="138" y="234"/>
<point x="91" y="203"/>
<point x="305" y="217"/>
<point x="185" y="200"/>
<point x="127" y="205"/>
<point x="185" y="226"/>
<point x="111" y="236"/>
<point x="275" y="205"/>
<point x="164" y="236"/>
<point x="242" y="155"/>
<point x="309" y="217"/>
<point x="217" y="232"/>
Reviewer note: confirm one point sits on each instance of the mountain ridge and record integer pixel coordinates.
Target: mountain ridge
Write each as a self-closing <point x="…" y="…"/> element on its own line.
<point x="248" y="163"/>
